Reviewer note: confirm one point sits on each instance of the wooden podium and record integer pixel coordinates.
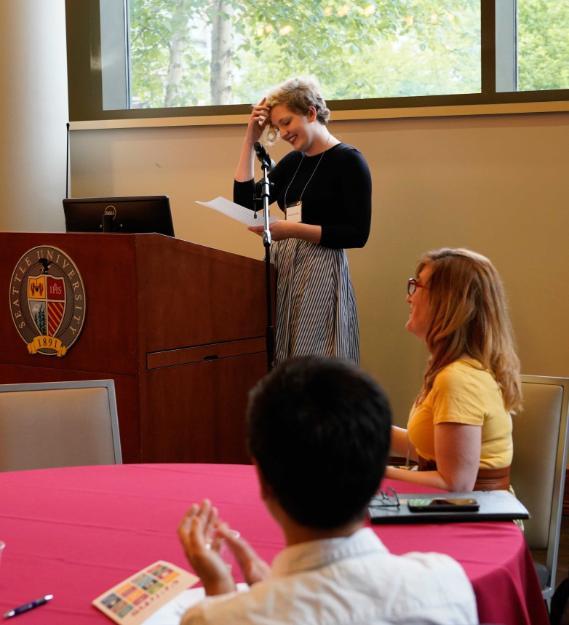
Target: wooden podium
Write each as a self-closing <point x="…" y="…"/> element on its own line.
<point x="179" y="327"/>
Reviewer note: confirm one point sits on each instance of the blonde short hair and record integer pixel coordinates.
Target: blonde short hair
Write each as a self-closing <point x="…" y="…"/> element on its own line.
<point x="469" y="315"/>
<point x="299" y="94"/>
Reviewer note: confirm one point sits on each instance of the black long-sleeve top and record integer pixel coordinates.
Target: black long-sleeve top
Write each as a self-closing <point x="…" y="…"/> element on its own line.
<point x="335" y="188"/>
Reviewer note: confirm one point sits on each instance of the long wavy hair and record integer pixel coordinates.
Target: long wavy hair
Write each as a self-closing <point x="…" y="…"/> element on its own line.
<point x="469" y="316"/>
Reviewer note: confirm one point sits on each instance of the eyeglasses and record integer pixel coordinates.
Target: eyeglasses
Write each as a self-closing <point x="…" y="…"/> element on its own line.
<point x="413" y="284"/>
<point x="386" y="499"/>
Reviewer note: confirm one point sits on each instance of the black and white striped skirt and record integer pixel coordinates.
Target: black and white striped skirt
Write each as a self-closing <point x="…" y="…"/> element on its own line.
<point x="316" y="306"/>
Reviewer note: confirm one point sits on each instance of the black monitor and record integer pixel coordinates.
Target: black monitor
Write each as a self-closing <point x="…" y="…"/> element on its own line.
<point x="119" y="214"/>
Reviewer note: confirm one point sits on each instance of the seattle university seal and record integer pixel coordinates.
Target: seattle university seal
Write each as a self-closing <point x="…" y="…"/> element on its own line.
<point x="47" y="300"/>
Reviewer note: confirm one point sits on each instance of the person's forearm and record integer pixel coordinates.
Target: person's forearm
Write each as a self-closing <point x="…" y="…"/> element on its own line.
<point x="400" y="444"/>
<point x="282" y="229"/>
<point x="424" y="478"/>
<point x="307" y="232"/>
<point x="246" y="165"/>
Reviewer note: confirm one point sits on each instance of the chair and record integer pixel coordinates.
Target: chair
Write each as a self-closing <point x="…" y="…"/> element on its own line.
<point x="55" y="424"/>
<point x="538" y="468"/>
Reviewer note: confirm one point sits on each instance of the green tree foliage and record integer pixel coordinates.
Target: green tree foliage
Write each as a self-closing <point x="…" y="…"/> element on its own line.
<point x="201" y="52"/>
<point x="159" y="29"/>
<point x="543" y="44"/>
<point x="398" y="49"/>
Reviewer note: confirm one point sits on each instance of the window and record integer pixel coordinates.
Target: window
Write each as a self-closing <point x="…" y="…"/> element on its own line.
<point x="227" y="51"/>
<point x="543" y="45"/>
<point x="150" y="58"/>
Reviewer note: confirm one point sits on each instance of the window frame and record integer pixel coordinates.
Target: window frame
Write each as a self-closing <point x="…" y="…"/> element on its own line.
<point x="86" y="90"/>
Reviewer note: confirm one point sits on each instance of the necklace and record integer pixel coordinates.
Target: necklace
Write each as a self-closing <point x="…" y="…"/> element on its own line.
<point x="311" y="175"/>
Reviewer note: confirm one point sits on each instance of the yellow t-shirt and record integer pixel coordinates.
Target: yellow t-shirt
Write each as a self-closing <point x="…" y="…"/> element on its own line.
<point x="464" y="392"/>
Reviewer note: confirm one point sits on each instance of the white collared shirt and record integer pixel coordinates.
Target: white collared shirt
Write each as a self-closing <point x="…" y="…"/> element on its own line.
<point x="348" y="581"/>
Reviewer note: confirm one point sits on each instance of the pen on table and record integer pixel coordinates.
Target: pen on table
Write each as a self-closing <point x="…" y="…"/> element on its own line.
<point x="28" y="606"/>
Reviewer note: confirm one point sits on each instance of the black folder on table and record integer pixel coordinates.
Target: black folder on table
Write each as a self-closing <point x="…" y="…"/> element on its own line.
<point x="494" y="505"/>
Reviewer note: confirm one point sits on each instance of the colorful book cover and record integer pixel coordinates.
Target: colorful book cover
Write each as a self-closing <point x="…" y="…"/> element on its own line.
<point x="135" y="599"/>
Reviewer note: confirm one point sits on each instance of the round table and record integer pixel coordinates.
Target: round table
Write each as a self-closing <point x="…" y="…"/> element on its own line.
<point x="75" y="532"/>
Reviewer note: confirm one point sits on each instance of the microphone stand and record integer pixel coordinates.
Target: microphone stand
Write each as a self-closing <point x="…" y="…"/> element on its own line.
<point x="265" y="194"/>
<point x="67" y="164"/>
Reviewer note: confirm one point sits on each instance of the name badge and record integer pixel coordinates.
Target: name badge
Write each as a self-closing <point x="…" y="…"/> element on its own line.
<point x="294" y="212"/>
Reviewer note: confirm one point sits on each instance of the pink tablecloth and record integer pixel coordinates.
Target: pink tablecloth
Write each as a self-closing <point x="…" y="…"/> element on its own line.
<point x="76" y="532"/>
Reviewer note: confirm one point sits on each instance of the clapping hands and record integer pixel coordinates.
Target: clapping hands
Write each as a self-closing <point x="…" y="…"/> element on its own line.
<point x="202" y="535"/>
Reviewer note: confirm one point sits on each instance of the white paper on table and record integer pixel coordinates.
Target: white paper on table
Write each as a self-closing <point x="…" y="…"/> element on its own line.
<point x="172" y="612"/>
<point x="235" y="211"/>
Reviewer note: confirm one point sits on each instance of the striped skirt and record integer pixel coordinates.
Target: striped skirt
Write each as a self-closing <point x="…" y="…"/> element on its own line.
<point x="316" y="305"/>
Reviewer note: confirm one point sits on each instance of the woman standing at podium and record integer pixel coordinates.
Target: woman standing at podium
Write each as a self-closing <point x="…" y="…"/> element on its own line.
<point x="323" y="187"/>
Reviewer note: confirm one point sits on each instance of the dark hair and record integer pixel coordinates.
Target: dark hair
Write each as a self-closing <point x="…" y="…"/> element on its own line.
<point x="319" y="431"/>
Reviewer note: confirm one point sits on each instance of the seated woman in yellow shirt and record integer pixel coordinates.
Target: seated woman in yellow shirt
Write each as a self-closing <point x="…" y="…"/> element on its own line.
<point x="460" y="428"/>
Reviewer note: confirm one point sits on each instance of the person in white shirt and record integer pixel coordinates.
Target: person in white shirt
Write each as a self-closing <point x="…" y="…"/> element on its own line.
<point x="319" y="435"/>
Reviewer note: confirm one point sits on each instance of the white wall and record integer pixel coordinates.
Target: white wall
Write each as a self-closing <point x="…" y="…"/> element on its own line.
<point x="497" y="184"/>
<point x="33" y="114"/>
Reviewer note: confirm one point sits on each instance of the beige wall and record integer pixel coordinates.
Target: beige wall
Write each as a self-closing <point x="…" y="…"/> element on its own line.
<point x="496" y="184"/>
<point x="33" y="114"/>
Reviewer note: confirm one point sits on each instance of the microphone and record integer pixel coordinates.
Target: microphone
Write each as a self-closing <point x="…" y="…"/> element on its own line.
<point x="263" y="156"/>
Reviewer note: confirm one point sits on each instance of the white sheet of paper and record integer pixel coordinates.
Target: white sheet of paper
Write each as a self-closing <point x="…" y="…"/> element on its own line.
<point x="235" y="211"/>
<point x="171" y="613"/>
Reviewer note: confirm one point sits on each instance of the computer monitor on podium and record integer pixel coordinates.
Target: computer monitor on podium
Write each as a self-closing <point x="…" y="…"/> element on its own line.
<point x="119" y="214"/>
